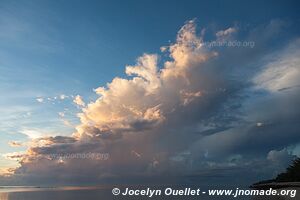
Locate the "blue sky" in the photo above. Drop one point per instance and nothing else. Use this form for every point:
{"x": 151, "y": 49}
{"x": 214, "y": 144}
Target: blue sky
{"x": 54, "y": 50}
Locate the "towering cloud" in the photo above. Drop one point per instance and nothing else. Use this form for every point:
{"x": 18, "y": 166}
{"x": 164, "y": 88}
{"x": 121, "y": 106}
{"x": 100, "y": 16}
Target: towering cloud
{"x": 194, "y": 114}
{"x": 144, "y": 102}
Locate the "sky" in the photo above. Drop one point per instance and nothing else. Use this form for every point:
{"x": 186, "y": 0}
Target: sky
{"x": 175, "y": 91}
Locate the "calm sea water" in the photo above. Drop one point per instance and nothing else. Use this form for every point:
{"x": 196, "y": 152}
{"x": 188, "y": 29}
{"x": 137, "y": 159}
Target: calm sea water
{"x": 57, "y": 193}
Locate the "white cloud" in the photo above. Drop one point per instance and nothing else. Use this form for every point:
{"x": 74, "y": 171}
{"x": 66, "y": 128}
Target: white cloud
{"x": 226, "y": 32}
{"x": 282, "y": 73}
{"x": 63, "y": 96}
{"x": 40, "y": 99}
{"x": 78, "y": 100}
{"x": 61, "y": 114}
{"x": 279, "y": 156}
{"x": 33, "y": 134}
{"x": 67, "y": 123}
{"x": 226, "y": 35}
{"x": 142, "y": 102}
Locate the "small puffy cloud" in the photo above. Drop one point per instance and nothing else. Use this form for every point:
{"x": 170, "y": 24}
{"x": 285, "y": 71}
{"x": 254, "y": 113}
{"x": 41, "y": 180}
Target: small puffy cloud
{"x": 15, "y": 144}
{"x": 226, "y": 35}
{"x": 61, "y": 114}
{"x": 226, "y": 32}
{"x": 67, "y": 122}
{"x": 40, "y": 99}
{"x": 259, "y": 124}
{"x": 282, "y": 156}
{"x": 280, "y": 160}
{"x": 163, "y": 49}
{"x": 63, "y": 96}
{"x": 53, "y": 99}
{"x": 78, "y": 100}
{"x": 31, "y": 133}
{"x": 35, "y": 133}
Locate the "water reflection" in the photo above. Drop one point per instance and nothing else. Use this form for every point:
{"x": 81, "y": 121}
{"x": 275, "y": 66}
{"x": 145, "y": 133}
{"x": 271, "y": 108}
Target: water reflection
{"x": 57, "y": 194}
{"x": 4, "y": 196}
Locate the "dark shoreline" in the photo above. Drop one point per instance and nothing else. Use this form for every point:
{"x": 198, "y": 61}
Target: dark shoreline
{"x": 275, "y": 185}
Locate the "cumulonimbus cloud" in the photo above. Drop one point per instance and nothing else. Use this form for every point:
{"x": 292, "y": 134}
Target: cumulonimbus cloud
{"x": 164, "y": 118}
